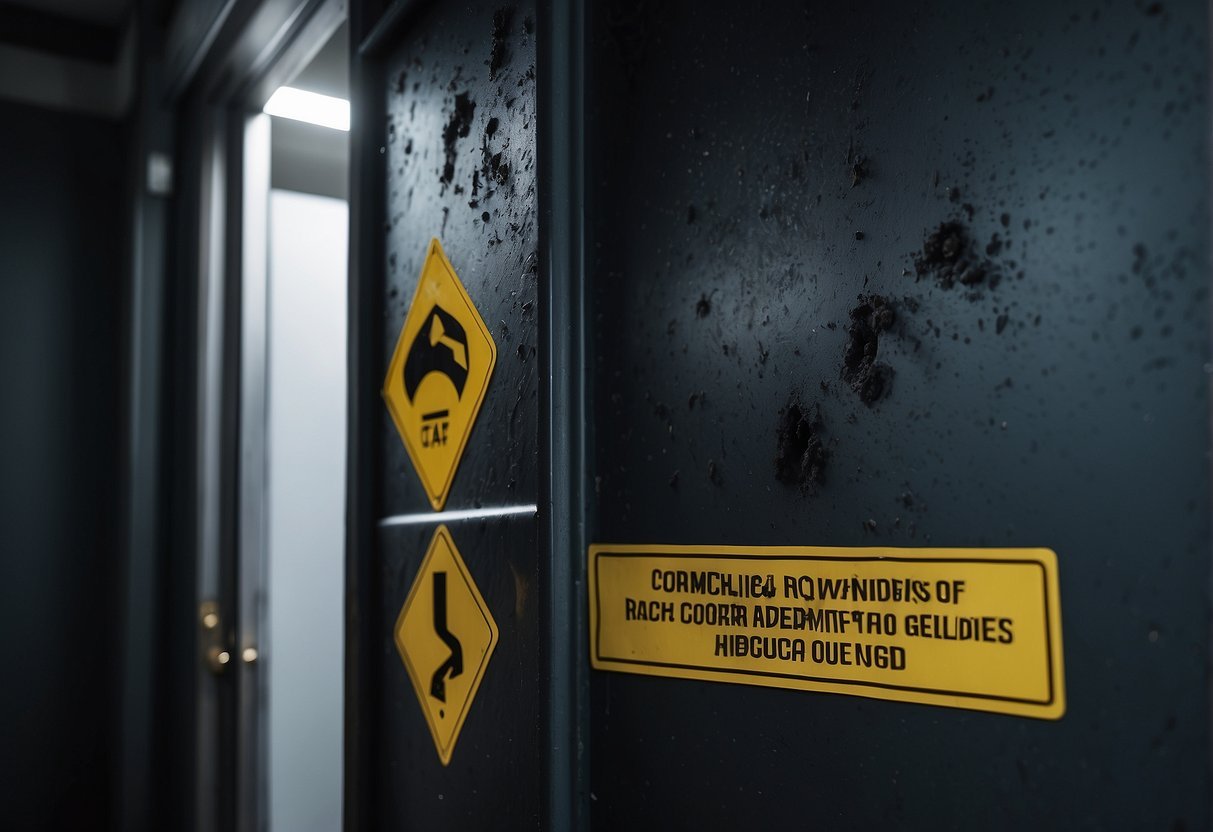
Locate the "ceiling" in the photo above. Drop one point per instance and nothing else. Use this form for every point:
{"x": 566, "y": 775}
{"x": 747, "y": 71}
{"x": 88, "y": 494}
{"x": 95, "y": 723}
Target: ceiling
{"x": 329, "y": 72}
{"x": 110, "y": 13}
{"x": 307, "y": 158}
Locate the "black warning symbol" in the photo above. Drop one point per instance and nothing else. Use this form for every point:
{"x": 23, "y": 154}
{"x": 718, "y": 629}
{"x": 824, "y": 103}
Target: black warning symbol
{"x": 440, "y": 347}
{"x": 454, "y": 662}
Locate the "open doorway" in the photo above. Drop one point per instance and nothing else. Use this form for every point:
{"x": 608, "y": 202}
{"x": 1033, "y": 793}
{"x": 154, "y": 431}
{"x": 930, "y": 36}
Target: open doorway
{"x": 301, "y": 225}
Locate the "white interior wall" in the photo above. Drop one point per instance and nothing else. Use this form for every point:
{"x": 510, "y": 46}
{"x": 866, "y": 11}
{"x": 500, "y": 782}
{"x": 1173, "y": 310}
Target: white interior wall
{"x": 306, "y": 501}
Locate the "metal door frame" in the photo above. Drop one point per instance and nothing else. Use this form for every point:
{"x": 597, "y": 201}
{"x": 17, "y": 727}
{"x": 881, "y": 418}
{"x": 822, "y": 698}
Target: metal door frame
{"x": 360, "y": 697}
{"x": 564, "y": 504}
{"x": 223, "y": 62}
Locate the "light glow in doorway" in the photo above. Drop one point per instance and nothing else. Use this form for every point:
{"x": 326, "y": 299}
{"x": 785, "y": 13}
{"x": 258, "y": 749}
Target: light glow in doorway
{"x": 311, "y": 107}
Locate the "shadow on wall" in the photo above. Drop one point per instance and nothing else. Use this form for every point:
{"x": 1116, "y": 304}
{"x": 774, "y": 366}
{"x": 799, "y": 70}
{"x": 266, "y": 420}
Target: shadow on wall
{"x": 62, "y": 295}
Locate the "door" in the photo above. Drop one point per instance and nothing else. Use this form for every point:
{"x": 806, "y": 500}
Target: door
{"x": 256, "y": 614}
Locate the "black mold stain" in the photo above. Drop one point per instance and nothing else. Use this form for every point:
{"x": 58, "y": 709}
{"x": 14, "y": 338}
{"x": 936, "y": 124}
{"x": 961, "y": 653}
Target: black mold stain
{"x": 458, "y": 126}
{"x": 858, "y": 168}
{"x": 947, "y": 254}
{"x": 703, "y": 306}
{"x": 503, "y": 20}
{"x": 800, "y": 452}
{"x": 492, "y": 169}
{"x": 868, "y": 377}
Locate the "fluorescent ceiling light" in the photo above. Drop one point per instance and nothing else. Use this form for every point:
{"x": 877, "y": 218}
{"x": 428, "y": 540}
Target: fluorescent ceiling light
{"x": 312, "y": 107}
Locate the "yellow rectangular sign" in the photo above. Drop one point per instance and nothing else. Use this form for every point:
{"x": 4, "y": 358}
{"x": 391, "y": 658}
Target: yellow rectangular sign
{"x": 962, "y": 628}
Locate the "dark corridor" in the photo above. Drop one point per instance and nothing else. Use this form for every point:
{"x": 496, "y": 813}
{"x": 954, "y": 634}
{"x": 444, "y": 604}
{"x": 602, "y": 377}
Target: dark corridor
{"x": 784, "y": 414}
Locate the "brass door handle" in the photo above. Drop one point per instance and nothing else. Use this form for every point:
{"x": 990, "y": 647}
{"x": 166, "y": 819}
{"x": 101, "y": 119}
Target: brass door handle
{"x": 214, "y": 650}
{"x": 217, "y": 660}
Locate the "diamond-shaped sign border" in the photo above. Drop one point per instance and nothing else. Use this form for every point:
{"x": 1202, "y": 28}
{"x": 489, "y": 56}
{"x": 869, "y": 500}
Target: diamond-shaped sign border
{"x": 444, "y": 754}
{"x": 438, "y": 498}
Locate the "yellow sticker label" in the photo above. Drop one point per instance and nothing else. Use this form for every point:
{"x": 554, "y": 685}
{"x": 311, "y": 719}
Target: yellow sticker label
{"x": 439, "y": 374}
{"x": 445, "y": 635}
{"x": 962, "y": 628}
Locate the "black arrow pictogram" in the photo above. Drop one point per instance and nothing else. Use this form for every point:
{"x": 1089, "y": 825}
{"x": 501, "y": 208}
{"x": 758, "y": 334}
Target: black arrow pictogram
{"x": 454, "y": 663}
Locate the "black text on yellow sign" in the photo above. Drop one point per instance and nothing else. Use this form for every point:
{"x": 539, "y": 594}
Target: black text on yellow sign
{"x": 439, "y": 374}
{"x": 445, "y": 635}
{"x": 963, "y": 628}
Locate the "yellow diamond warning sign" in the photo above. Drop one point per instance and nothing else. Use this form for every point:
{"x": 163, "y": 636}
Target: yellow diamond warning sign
{"x": 439, "y": 374}
{"x": 445, "y": 635}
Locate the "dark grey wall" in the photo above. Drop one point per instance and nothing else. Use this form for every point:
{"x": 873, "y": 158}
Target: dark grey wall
{"x": 61, "y": 317}
{"x": 752, "y": 173}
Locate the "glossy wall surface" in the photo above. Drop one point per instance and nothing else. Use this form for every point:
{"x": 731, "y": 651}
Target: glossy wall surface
{"x": 761, "y": 184}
